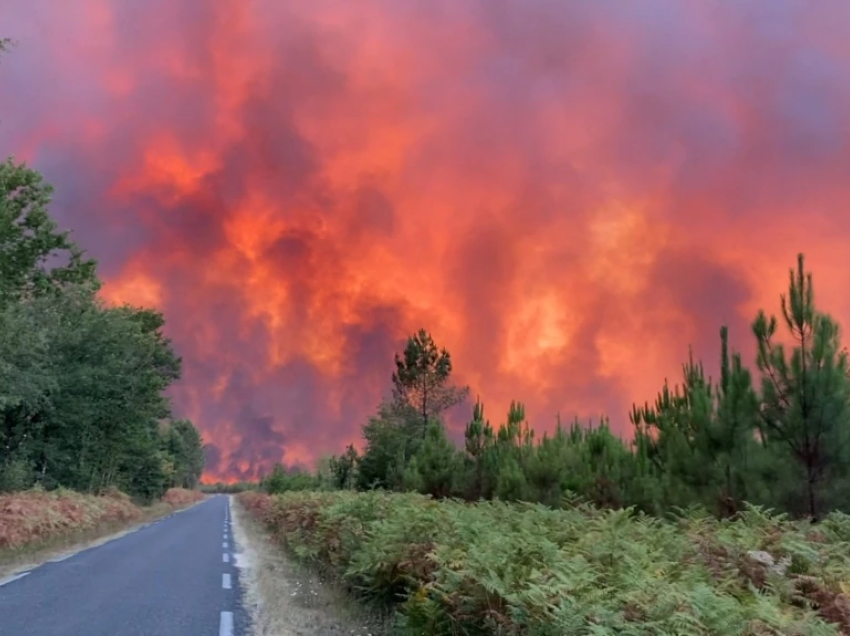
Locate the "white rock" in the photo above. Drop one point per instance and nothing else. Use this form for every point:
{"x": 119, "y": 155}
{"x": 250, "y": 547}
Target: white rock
{"x": 767, "y": 560}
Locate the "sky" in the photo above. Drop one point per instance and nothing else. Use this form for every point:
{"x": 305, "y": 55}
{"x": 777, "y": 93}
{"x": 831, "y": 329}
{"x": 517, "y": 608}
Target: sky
{"x": 567, "y": 195}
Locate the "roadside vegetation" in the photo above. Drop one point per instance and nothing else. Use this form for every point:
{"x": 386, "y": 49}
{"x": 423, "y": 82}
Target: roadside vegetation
{"x": 37, "y": 518}
{"x": 776, "y": 436}
{"x": 228, "y": 488}
{"x": 725, "y": 513}
{"x": 451, "y": 567}
{"x": 287, "y": 595}
{"x": 82, "y": 402}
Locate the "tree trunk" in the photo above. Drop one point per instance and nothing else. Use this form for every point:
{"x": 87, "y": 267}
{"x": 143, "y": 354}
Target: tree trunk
{"x": 810, "y": 489}
{"x": 424, "y": 407}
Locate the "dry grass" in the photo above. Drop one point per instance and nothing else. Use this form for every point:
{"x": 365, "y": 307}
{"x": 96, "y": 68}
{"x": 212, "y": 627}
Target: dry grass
{"x": 33, "y": 516}
{"x": 288, "y": 598}
{"x": 38, "y": 526}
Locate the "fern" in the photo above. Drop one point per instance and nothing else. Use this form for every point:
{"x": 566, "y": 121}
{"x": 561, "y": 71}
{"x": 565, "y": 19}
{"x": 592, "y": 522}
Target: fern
{"x": 497, "y": 568}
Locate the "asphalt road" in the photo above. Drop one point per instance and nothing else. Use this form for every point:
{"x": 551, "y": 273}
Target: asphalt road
{"x": 175, "y": 577}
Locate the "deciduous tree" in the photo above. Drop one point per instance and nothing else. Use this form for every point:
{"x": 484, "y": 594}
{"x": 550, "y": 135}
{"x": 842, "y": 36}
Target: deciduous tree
{"x": 37, "y": 258}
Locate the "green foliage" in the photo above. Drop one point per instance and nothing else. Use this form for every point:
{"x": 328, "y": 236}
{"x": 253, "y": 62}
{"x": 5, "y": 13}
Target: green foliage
{"x": 184, "y": 453}
{"x": 700, "y": 436}
{"x": 281, "y": 480}
{"x": 82, "y": 385}
{"x": 432, "y": 469}
{"x": 421, "y": 380}
{"x": 500, "y": 568}
{"x": 718, "y": 445}
{"x": 85, "y": 397}
{"x": 228, "y": 488}
{"x": 342, "y": 470}
{"x": 392, "y": 437}
{"x": 37, "y": 258}
{"x": 805, "y": 394}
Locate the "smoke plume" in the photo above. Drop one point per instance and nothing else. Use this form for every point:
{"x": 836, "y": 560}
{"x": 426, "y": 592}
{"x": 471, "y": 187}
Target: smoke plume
{"x": 567, "y": 195}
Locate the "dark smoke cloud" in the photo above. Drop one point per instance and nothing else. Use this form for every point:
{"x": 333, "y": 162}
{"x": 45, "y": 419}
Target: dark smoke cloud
{"x": 567, "y": 195}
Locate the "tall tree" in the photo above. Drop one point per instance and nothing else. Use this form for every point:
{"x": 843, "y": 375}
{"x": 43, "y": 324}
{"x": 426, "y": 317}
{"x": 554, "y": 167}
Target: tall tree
{"x": 184, "y": 449}
{"x": 805, "y": 392}
{"x": 37, "y": 257}
{"x": 343, "y": 469}
{"x": 675, "y": 434}
{"x": 82, "y": 385}
{"x": 421, "y": 379}
{"x": 732, "y": 440}
{"x": 478, "y": 440}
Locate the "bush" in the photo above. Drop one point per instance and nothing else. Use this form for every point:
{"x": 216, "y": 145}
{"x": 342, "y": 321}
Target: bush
{"x": 222, "y": 488}
{"x": 181, "y": 496}
{"x": 282, "y": 480}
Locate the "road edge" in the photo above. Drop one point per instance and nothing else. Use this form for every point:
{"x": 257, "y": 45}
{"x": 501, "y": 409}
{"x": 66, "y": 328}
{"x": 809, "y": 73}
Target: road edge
{"x": 56, "y": 555}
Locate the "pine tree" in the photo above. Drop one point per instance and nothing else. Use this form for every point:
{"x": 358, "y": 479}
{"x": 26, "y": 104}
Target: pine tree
{"x": 478, "y": 440}
{"x": 431, "y": 470}
{"x": 421, "y": 380}
{"x": 805, "y": 393}
{"x": 675, "y": 434}
{"x": 343, "y": 469}
{"x": 733, "y": 442}
{"x": 701, "y": 435}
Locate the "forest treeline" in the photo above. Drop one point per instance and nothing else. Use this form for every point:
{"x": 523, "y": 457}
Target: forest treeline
{"x": 82, "y": 401}
{"x": 774, "y": 435}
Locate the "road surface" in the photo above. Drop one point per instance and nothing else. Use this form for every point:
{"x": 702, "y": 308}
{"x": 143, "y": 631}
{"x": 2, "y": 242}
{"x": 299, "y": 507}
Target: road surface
{"x": 175, "y": 577}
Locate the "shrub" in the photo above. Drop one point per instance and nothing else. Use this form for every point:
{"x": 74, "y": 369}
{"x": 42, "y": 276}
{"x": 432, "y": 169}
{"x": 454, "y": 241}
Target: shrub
{"x": 181, "y": 496}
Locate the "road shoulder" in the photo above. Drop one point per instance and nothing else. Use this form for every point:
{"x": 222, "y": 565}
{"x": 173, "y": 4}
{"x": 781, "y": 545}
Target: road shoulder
{"x": 286, "y": 597}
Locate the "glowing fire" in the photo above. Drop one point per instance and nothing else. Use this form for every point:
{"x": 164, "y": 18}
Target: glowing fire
{"x": 565, "y": 197}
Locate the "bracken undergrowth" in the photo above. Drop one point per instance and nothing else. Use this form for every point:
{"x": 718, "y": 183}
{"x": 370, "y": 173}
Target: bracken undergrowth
{"x": 34, "y": 516}
{"x": 520, "y": 569}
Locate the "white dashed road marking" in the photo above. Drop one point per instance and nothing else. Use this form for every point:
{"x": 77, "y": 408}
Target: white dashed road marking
{"x": 225, "y": 627}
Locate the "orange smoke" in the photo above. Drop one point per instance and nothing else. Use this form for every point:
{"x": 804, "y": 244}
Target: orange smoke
{"x": 564, "y": 195}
